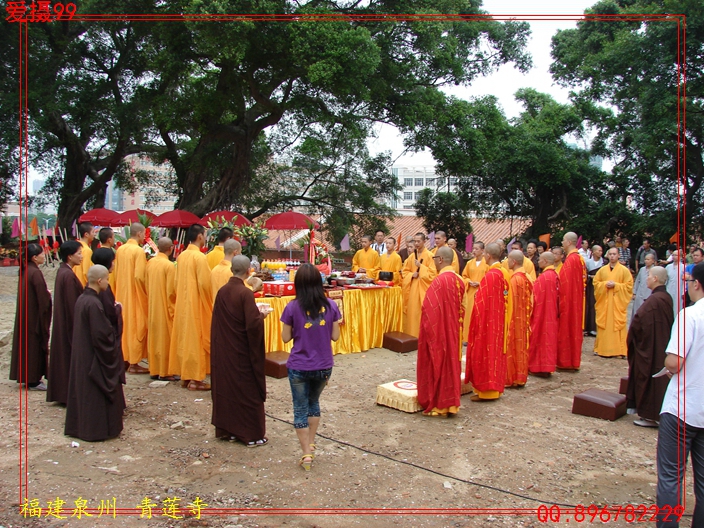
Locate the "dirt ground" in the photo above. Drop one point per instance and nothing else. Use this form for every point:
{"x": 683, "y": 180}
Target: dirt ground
{"x": 525, "y": 450}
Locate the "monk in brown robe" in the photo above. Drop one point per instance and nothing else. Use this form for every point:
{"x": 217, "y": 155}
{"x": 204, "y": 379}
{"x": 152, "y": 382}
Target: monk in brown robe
{"x": 95, "y": 398}
{"x": 237, "y": 360}
{"x": 32, "y": 322}
{"x": 113, "y": 310}
{"x": 647, "y": 340}
{"x": 67, "y": 290}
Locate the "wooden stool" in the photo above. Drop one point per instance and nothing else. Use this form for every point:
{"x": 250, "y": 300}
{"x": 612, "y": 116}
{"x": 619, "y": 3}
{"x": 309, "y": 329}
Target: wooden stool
{"x": 599, "y": 404}
{"x": 623, "y": 387}
{"x": 275, "y": 364}
{"x": 400, "y": 342}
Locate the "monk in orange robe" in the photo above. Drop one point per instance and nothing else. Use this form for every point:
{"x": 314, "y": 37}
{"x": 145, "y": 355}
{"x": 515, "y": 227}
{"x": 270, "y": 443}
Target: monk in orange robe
{"x": 367, "y": 260}
{"x": 222, "y": 273}
{"x": 217, "y": 254}
{"x": 86, "y": 234}
{"x": 391, "y": 261}
{"x": 527, "y": 265}
{"x": 488, "y": 331}
{"x": 440, "y": 339}
{"x": 473, "y": 274}
{"x": 441, "y": 241}
{"x": 573, "y": 281}
{"x": 190, "y": 340}
{"x": 418, "y": 272}
{"x": 130, "y": 291}
{"x": 519, "y": 327}
{"x": 613, "y": 288}
{"x": 160, "y": 283}
{"x": 544, "y": 324}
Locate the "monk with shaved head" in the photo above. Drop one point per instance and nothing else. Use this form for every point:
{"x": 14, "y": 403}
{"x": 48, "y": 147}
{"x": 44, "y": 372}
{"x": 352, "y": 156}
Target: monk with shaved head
{"x": 488, "y": 331}
{"x": 222, "y": 273}
{"x": 648, "y": 335}
{"x": 573, "y": 281}
{"x": 440, "y": 339}
{"x": 441, "y": 241}
{"x": 613, "y": 288}
{"x": 131, "y": 293}
{"x": 519, "y": 328}
{"x": 95, "y": 398}
{"x": 544, "y": 323}
{"x": 160, "y": 283}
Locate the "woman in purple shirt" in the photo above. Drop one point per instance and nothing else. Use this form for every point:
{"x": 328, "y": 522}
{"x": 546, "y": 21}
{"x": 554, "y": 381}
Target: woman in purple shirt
{"x": 312, "y": 321}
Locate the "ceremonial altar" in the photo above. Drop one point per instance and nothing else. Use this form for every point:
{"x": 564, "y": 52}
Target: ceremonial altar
{"x": 367, "y": 315}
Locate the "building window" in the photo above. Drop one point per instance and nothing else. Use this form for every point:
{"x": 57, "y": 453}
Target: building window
{"x": 408, "y": 206}
{"x": 419, "y": 182}
{"x": 408, "y": 196}
{"x": 453, "y": 180}
{"x": 407, "y": 182}
{"x": 417, "y": 196}
{"x": 429, "y": 182}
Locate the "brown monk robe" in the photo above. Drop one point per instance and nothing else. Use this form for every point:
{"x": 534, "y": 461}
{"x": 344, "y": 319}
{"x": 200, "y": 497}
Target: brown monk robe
{"x": 95, "y": 398}
{"x": 237, "y": 360}
{"x": 647, "y": 339}
{"x": 67, "y": 290}
{"x": 32, "y": 322}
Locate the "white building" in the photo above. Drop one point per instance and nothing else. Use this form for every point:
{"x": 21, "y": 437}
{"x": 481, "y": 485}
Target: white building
{"x": 414, "y": 179}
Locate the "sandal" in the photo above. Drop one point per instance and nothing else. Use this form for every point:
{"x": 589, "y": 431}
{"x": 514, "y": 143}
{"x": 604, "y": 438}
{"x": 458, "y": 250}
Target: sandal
{"x": 258, "y": 443}
{"x": 313, "y": 447}
{"x": 306, "y": 465}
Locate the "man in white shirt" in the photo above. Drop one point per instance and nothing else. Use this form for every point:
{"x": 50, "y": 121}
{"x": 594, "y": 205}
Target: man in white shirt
{"x": 379, "y": 244}
{"x": 682, "y": 415}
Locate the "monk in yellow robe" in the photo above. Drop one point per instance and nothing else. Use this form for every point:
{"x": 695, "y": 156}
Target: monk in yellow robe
{"x": 217, "y": 254}
{"x": 160, "y": 283}
{"x": 391, "y": 261}
{"x": 222, "y": 273}
{"x": 366, "y": 260}
{"x": 519, "y": 328}
{"x": 131, "y": 292}
{"x": 418, "y": 272}
{"x": 473, "y": 274}
{"x": 190, "y": 340}
{"x": 86, "y": 235}
{"x": 559, "y": 258}
{"x": 441, "y": 241}
{"x": 106, "y": 236}
{"x": 613, "y": 287}
{"x": 527, "y": 265}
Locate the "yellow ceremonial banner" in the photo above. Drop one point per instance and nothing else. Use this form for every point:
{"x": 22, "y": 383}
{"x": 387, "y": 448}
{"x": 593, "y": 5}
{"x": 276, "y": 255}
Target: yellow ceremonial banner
{"x": 545, "y": 238}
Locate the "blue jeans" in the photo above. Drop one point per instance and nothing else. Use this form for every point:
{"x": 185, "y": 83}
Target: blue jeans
{"x": 306, "y": 387}
{"x": 676, "y": 438}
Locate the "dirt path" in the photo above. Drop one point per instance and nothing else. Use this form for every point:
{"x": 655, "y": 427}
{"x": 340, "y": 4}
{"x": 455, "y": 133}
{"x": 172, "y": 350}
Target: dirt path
{"x": 491, "y": 455}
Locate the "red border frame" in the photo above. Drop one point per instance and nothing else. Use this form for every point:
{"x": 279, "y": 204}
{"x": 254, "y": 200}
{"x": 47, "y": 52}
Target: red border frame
{"x": 23, "y": 59}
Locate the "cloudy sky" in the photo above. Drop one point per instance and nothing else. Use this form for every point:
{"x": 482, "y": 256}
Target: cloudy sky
{"x": 507, "y": 80}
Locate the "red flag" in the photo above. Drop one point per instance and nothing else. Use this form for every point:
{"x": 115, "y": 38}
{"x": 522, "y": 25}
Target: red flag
{"x": 469, "y": 243}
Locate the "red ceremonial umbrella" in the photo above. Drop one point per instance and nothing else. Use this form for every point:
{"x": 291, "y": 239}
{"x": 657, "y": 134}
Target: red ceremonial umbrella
{"x": 228, "y": 216}
{"x": 99, "y": 216}
{"x": 290, "y": 220}
{"x": 130, "y": 217}
{"x": 176, "y": 218}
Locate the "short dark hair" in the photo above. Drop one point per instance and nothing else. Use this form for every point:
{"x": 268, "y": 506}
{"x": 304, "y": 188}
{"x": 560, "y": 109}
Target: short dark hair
{"x": 390, "y": 238}
{"x": 194, "y": 231}
{"x": 380, "y": 231}
{"x": 517, "y": 242}
{"x": 542, "y": 245}
{"x": 103, "y": 256}
{"x": 225, "y": 234}
{"x": 83, "y": 228}
{"x": 68, "y": 248}
{"x": 701, "y": 251}
{"x": 698, "y": 273}
{"x": 105, "y": 234}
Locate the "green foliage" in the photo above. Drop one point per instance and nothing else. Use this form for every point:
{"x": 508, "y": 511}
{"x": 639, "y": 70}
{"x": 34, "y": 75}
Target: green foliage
{"x": 252, "y": 238}
{"x": 627, "y": 85}
{"x": 444, "y": 211}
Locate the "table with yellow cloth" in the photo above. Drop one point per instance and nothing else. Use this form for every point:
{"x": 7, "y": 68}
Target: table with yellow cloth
{"x": 368, "y": 315}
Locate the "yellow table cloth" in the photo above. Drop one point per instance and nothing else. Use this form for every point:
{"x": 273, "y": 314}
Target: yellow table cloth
{"x": 368, "y": 315}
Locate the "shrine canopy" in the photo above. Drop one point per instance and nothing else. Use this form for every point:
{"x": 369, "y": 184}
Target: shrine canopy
{"x": 130, "y": 217}
{"x": 232, "y": 217}
{"x": 177, "y": 218}
{"x": 99, "y": 216}
{"x": 290, "y": 220}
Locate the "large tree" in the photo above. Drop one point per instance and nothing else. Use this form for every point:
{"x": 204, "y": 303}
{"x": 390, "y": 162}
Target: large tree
{"x": 221, "y": 87}
{"x": 628, "y": 78}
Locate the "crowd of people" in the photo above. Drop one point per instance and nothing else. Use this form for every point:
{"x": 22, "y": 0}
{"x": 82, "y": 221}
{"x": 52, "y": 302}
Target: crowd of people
{"x": 518, "y": 312}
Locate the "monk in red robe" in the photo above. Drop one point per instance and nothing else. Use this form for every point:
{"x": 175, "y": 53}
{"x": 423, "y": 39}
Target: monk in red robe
{"x": 544, "y": 324}
{"x": 440, "y": 339}
{"x": 573, "y": 281}
{"x": 486, "y": 348}
{"x": 519, "y": 328}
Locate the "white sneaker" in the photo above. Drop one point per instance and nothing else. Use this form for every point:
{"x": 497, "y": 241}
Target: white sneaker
{"x": 40, "y": 387}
